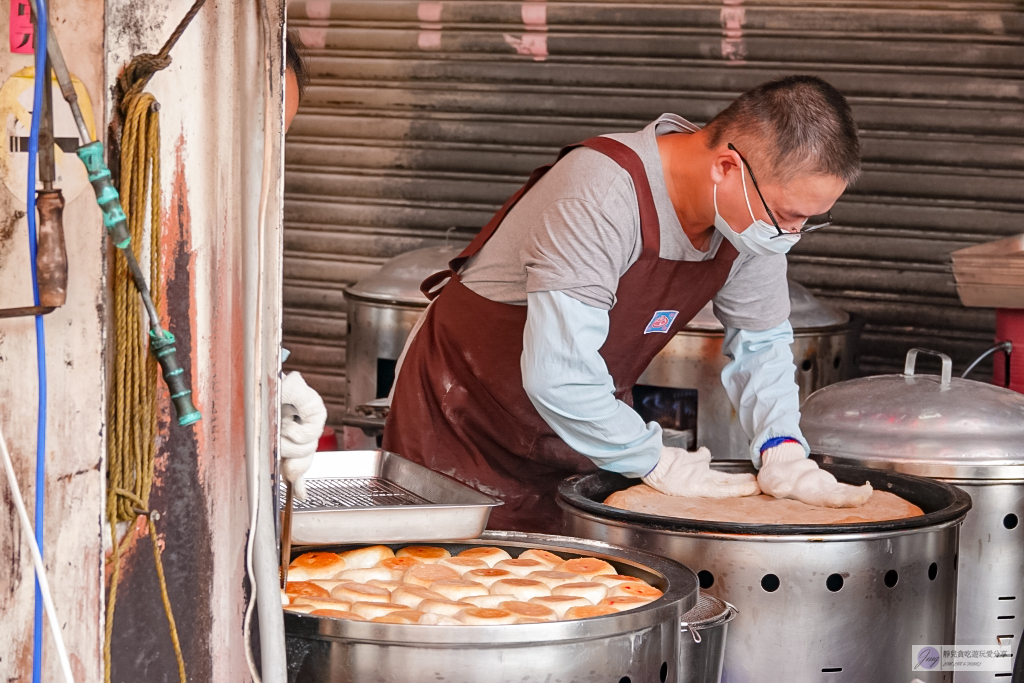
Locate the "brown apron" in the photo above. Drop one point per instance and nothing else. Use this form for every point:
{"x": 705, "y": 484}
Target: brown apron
{"x": 459, "y": 405}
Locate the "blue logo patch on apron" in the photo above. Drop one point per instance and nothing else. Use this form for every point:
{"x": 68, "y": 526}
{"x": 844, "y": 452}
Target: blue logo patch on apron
{"x": 661, "y": 322}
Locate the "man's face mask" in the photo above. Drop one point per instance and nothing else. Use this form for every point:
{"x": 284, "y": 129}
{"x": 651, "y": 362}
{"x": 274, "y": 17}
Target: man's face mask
{"x": 759, "y": 238}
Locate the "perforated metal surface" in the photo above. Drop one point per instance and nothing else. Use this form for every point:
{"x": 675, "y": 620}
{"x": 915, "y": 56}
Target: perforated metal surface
{"x": 353, "y": 492}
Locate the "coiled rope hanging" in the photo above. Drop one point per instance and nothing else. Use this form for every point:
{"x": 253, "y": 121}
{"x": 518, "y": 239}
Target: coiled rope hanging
{"x": 132, "y": 407}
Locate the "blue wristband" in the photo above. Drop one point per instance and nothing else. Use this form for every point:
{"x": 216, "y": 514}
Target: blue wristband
{"x": 777, "y": 441}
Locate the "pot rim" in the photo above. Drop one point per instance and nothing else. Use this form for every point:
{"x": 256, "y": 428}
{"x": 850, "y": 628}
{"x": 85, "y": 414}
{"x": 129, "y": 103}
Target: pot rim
{"x": 678, "y": 581}
{"x": 943, "y": 505}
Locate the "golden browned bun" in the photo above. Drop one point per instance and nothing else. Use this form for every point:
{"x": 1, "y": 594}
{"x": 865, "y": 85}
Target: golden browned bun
{"x": 552, "y": 578}
{"x": 411, "y": 596}
{"x": 336, "y": 614}
{"x": 364, "y": 575}
{"x": 550, "y": 560}
{"x": 426, "y": 574}
{"x": 398, "y": 566}
{"x": 448, "y": 608}
{"x": 360, "y": 592}
{"x": 523, "y": 589}
{"x": 370, "y": 610}
{"x": 327, "y": 584}
{"x": 593, "y": 591}
{"x": 636, "y": 590}
{"x": 322, "y": 603}
{"x": 457, "y": 589}
{"x": 483, "y": 615}
{"x": 306, "y": 588}
{"x": 489, "y": 555}
{"x": 561, "y": 603}
{"x": 588, "y": 612}
{"x": 405, "y": 617}
{"x": 317, "y": 565}
{"x": 301, "y": 609}
{"x": 364, "y": 558}
{"x": 612, "y": 580}
{"x": 463, "y": 564}
{"x": 386, "y": 585}
{"x": 489, "y": 601}
{"x": 624, "y": 602}
{"x": 424, "y": 553}
{"x": 530, "y": 610}
{"x": 521, "y": 567}
{"x": 487, "y": 576}
{"x": 438, "y": 620}
{"x": 586, "y": 567}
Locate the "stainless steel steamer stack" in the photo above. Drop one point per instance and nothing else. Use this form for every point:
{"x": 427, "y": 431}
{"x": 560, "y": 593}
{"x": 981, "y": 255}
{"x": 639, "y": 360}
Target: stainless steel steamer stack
{"x": 956, "y": 431}
{"x": 636, "y": 646}
{"x": 834, "y": 603}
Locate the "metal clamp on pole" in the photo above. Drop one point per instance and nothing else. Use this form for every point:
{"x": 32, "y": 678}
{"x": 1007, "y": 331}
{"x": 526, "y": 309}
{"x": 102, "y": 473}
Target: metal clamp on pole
{"x": 163, "y": 348}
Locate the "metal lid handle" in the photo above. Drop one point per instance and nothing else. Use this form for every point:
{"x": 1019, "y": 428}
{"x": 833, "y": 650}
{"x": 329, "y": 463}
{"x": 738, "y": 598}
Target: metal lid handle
{"x": 947, "y": 364}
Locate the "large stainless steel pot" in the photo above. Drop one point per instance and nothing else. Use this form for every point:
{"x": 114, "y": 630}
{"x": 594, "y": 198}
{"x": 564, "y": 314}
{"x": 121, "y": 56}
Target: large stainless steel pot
{"x": 382, "y": 310}
{"x": 960, "y": 432}
{"x": 641, "y": 645}
{"x": 824, "y": 344}
{"x": 835, "y": 603}
{"x": 682, "y": 387}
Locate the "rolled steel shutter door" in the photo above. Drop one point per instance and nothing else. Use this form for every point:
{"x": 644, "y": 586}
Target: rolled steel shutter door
{"x": 422, "y": 117}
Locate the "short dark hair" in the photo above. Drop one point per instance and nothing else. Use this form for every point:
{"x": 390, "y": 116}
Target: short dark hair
{"x": 294, "y": 61}
{"x": 792, "y": 126}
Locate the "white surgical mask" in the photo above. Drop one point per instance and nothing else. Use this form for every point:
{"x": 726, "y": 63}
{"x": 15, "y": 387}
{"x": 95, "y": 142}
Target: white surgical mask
{"x": 760, "y": 238}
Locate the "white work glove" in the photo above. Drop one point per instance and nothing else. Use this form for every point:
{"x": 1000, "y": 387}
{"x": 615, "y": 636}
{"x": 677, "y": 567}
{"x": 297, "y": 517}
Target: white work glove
{"x": 303, "y": 415}
{"x": 688, "y": 473}
{"x": 787, "y": 472}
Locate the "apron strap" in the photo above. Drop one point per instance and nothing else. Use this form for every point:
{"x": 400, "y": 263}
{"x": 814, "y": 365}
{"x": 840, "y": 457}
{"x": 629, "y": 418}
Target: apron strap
{"x": 623, "y": 155}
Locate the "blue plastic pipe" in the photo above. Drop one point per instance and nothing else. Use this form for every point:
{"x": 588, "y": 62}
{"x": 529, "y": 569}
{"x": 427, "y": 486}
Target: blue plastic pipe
{"x": 42, "y": 22}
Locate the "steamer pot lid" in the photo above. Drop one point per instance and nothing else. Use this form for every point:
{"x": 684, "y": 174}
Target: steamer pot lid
{"x": 806, "y": 312}
{"x": 916, "y": 419}
{"x": 398, "y": 280}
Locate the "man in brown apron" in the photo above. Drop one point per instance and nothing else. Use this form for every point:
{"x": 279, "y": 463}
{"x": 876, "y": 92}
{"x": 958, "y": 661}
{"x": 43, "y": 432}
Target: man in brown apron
{"x": 521, "y": 371}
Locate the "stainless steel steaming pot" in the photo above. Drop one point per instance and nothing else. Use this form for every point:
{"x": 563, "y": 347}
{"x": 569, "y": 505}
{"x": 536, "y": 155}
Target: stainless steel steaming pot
{"x": 954, "y": 430}
{"x": 636, "y": 646}
{"x": 685, "y": 377}
{"x": 836, "y": 603}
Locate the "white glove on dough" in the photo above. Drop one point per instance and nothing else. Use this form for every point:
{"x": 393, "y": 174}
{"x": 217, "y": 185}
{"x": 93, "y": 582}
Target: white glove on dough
{"x": 303, "y": 416}
{"x": 787, "y": 472}
{"x": 688, "y": 473}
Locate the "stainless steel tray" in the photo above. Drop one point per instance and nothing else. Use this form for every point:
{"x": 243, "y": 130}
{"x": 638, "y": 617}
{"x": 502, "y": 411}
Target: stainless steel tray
{"x": 380, "y": 497}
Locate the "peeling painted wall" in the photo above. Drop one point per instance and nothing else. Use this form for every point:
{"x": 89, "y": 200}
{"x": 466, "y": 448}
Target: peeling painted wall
{"x": 215, "y": 277}
{"x": 75, "y": 431}
{"x": 212, "y": 100}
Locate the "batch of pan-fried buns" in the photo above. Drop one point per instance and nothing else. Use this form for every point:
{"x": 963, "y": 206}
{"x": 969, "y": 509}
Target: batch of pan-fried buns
{"x": 482, "y": 585}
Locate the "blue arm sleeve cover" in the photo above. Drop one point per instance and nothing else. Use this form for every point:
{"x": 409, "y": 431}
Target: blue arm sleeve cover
{"x": 568, "y": 383}
{"x": 760, "y": 381}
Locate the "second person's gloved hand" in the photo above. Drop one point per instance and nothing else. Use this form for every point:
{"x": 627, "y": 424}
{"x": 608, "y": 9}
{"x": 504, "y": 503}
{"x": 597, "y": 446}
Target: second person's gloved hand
{"x": 688, "y": 473}
{"x": 786, "y": 472}
{"x": 303, "y": 416}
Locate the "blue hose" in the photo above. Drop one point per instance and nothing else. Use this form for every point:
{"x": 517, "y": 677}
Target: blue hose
{"x": 42, "y": 22}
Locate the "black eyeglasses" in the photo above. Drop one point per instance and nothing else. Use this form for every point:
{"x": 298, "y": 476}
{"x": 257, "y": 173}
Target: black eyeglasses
{"x": 815, "y": 222}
